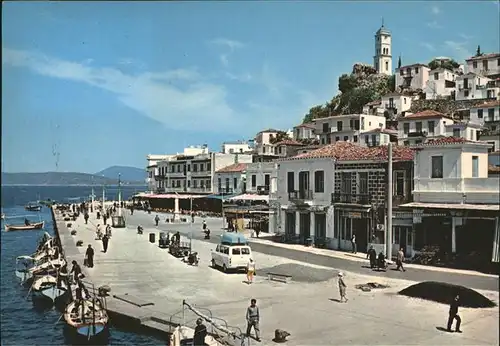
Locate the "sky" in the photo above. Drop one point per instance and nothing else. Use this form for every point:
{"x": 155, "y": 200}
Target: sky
{"x": 88, "y": 85}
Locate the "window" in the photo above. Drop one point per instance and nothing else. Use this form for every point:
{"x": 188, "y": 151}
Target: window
{"x": 236, "y": 251}
{"x": 406, "y": 128}
{"x": 406, "y": 143}
{"x": 367, "y": 139}
{"x": 208, "y": 184}
{"x": 387, "y": 66}
{"x": 195, "y": 183}
{"x": 254, "y": 180}
{"x": 436, "y": 167}
{"x": 201, "y": 167}
{"x": 290, "y": 181}
{"x": 474, "y": 64}
{"x": 418, "y": 141}
{"x": 202, "y": 183}
{"x": 219, "y": 182}
{"x": 209, "y": 167}
{"x": 485, "y": 65}
{"x": 399, "y": 183}
{"x": 498, "y": 62}
{"x": 491, "y": 114}
{"x": 374, "y": 139}
{"x": 325, "y": 128}
{"x": 466, "y": 93}
{"x": 319, "y": 181}
{"x": 178, "y": 183}
{"x": 418, "y": 126}
{"x": 339, "y": 125}
{"x": 492, "y": 149}
{"x": 475, "y": 166}
{"x": 430, "y": 127}
{"x": 227, "y": 185}
{"x": 178, "y": 168}
{"x": 189, "y": 168}
{"x": 267, "y": 181}
{"x": 355, "y": 138}
{"x": 195, "y": 167}
{"x": 456, "y": 133}
{"x": 346, "y": 138}
{"x": 480, "y": 113}
{"x": 337, "y": 138}
{"x": 189, "y": 183}
{"x": 363, "y": 183}
{"x": 436, "y": 76}
{"x": 235, "y": 183}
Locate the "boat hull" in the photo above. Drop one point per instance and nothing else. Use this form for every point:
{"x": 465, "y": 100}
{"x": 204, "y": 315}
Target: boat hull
{"x": 34, "y": 226}
{"x": 33, "y": 208}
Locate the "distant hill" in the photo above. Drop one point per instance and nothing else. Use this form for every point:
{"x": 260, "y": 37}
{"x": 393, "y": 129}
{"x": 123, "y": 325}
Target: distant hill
{"x": 61, "y": 178}
{"x": 127, "y": 173}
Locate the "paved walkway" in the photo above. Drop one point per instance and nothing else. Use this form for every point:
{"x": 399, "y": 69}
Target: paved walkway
{"x": 323, "y": 257}
{"x": 307, "y": 310}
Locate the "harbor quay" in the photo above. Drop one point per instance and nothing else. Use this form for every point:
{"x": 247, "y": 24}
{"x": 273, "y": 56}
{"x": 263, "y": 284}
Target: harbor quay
{"x": 155, "y": 284}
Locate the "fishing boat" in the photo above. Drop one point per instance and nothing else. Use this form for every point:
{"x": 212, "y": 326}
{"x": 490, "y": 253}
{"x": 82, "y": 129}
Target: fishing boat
{"x": 27, "y": 267}
{"x": 30, "y": 227}
{"x": 33, "y": 207}
{"x": 46, "y": 287}
{"x": 88, "y": 318}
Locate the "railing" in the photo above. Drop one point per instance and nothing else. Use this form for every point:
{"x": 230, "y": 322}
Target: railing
{"x": 350, "y": 198}
{"x": 398, "y": 200}
{"x": 491, "y": 120}
{"x": 301, "y": 195}
{"x": 201, "y": 173}
{"x": 159, "y": 177}
{"x": 225, "y": 191}
{"x": 490, "y": 184}
{"x": 416, "y": 134}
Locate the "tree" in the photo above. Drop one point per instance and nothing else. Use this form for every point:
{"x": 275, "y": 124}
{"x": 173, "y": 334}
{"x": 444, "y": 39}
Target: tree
{"x": 280, "y": 136}
{"x": 347, "y": 82}
{"x": 315, "y": 112}
{"x": 447, "y": 64}
{"x": 478, "y": 51}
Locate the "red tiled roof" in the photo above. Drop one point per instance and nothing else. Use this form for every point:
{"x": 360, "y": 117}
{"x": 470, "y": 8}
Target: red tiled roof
{"x": 288, "y": 142}
{"x": 447, "y": 140}
{"x": 345, "y": 151}
{"x": 424, "y": 115}
{"x": 380, "y": 130}
{"x": 495, "y": 103}
{"x": 234, "y": 168}
{"x": 484, "y": 56}
{"x": 309, "y": 126}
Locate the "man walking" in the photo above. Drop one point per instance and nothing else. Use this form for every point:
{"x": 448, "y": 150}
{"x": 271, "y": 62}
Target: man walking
{"x": 157, "y": 219}
{"x": 90, "y": 256}
{"x": 372, "y": 255}
{"x": 86, "y": 217}
{"x": 453, "y": 315}
{"x": 105, "y": 241}
{"x": 399, "y": 260}
{"x": 253, "y": 317}
{"x": 342, "y": 288}
{"x": 353, "y": 243}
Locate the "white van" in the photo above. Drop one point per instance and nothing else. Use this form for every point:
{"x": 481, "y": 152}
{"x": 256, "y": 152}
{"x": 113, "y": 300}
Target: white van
{"x": 230, "y": 257}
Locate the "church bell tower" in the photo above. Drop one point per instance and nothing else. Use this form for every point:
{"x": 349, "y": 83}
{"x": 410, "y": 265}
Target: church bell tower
{"x": 382, "y": 60}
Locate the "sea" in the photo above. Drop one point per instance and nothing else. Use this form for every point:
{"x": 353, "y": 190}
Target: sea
{"x": 21, "y": 322}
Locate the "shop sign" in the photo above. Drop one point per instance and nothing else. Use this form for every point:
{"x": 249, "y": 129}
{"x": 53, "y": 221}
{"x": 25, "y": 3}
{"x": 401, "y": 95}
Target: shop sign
{"x": 354, "y": 215}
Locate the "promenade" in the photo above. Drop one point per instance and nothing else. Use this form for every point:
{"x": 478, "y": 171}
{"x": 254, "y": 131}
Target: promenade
{"x": 306, "y": 307}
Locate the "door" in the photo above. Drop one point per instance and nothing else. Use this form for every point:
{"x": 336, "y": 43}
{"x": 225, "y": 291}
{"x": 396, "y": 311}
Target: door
{"x": 320, "y": 226}
{"x": 303, "y": 184}
{"x": 290, "y": 224}
{"x": 360, "y": 228}
{"x": 403, "y": 237}
{"x": 305, "y": 226}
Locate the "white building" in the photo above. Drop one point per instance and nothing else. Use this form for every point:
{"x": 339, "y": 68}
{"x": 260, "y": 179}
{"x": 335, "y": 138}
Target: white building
{"x": 485, "y": 65}
{"x": 382, "y": 60}
{"x": 304, "y": 131}
{"x": 260, "y": 176}
{"x": 468, "y": 130}
{"x": 413, "y": 77}
{"x": 378, "y": 137}
{"x": 471, "y": 86}
{"x": 154, "y": 179}
{"x": 486, "y": 113}
{"x": 235, "y": 147}
{"x": 374, "y": 108}
{"x": 231, "y": 179}
{"x": 263, "y": 145}
{"x": 396, "y": 103}
{"x": 416, "y": 128}
{"x": 456, "y": 205}
{"x": 196, "y": 173}
{"x": 441, "y": 84}
{"x": 346, "y": 127}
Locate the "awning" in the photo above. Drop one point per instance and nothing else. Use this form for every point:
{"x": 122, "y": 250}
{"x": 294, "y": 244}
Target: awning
{"x": 171, "y": 195}
{"x": 221, "y": 197}
{"x": 250, "y": 197}
{"x": 142, "y": 194}
{"x": 478, "y": 207}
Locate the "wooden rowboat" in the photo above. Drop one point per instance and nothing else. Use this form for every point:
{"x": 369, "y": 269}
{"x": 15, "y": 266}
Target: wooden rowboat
{"x": 33, "y": 207}
{"x": 33, "y": 226}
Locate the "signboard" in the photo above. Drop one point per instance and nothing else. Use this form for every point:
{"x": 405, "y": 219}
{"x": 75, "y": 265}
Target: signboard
{"x": 417, "y": 216}
{"x": 354, "y": 215}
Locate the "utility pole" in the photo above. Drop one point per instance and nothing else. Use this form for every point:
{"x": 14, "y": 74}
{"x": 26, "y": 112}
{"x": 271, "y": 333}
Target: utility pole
{"x": 119, "y": 194}
{"x": 103, "y": 197}
{"x": 92, "y": 193}
{"x": 389, "y": 205}
{"x": 191, "y": 225}
{"x": 222, "y": 206}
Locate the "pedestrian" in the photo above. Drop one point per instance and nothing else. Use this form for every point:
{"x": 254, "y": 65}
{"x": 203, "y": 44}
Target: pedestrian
{"x": 89, "y": 254}
{"x": 372, "y": 254}
{"x": 104, "y": 218}
{"x": 108, "y": 231}
{"x": 204, "y": 225}
{"x": 105, "y": 241}
{"x": 76, "y": 270}
{"x": 62, "y": 274}
{"x": 98, "y": 232}
{"x": 342, "y": 288}
{"x": 86, "y": 217}
{"x": 250, "y": 271}
{"x": 157, "y": 219}
{"x": 453, "y": 314}
{"x": 399, "y": 260}
{"x": 353, "y": 243}
{"x": 192, "y": 217}
{"x": 253, "y": 317}
{"x": 200, "y": 333}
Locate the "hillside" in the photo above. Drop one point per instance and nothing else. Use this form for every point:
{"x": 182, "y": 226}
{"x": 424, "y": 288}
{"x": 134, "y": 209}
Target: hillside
{"x": 127, "y": 173}
{"x": 60, "y": 178}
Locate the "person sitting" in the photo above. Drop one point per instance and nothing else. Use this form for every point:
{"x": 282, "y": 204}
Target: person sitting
{"x": 26, "y": 222}
{"x": 381, "y": 261}
{"x": 207, "y": 234}
{"x": 200, "y": 333}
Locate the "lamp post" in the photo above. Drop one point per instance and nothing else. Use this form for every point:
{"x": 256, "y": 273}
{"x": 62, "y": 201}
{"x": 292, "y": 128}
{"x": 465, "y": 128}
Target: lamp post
{"x": 222, "y": 207}
{"x": 103, "y": 195}
{"x": 119, "y": 195}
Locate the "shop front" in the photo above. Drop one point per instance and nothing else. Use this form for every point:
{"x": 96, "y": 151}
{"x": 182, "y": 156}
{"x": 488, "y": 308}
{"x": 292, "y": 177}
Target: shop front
{"x": 351, "y": 221}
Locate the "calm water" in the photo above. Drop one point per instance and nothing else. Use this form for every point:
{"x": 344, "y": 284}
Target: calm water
{"x": 21, "y": 322}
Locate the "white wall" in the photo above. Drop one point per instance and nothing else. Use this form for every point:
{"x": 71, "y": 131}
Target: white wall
{"x": 419, "y": 73}
{"x": 259, "y": 170}
{"x": 232, "y": 148}
{"x": 438, "y": 130}
{"x": 401, "y": 102}
{"x": 477, "y": 88}
{"x": 436, "y": 88}
{"x": 240, "y": 179}
{"x": 476, "y": 66}
{"x": 479, "y": 118}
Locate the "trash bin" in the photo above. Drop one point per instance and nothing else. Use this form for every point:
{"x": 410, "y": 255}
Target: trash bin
{"x": 309, "y": 242}
{"x": 152, "y": 237}
{"x": 161, "y": 241}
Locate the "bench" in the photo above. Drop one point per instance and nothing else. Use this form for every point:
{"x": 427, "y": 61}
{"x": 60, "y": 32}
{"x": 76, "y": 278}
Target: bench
{"x": 279, "y": 277}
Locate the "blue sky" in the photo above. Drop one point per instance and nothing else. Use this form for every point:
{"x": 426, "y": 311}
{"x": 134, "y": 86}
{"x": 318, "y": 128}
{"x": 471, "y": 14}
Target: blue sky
{"x": 105, "y": 84}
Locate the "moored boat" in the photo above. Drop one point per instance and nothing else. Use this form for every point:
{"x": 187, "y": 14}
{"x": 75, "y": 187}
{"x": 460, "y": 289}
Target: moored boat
{"x": 88, "y": 318}
{"x": 46, "y": 287}
{"x": 33, "y": 207}
{"x": 30, "y": 227}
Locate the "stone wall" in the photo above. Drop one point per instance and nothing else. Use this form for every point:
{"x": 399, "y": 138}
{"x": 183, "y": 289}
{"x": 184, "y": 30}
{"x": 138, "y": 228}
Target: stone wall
{"x": 450, "y": 107}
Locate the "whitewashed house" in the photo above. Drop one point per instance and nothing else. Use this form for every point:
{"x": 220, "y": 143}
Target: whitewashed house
{"x": 456, "y": 205}
{"x": 412, "y": 77}
{"x": 155, "y": 175}
{"x": 466, "y": 130}
{"x": 231, "y": 179}
{"x": 396, "y": 103}
{"x": 471, "y": 86}
{"x": 374, "y": 108}
{"x": 486, "y": 113}
{"x": 441, "y": 84}
{"x": 378, "y": 137}
{"x": 346, "y": 128}
{"x": 416, "y": 128}
{"x": 236, "y": 147}
{"x": 485, "y": 65}
{"x": 263, "y": 145}
{"x": 259, "y": 176}
{"x": 304, "y": 131}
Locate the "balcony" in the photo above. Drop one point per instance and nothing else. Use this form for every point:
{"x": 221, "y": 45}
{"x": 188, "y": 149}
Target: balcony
{"x": 201, "y": 173}
{"x": 349, "y": 198}
{"x": 457, "y": 190}
{"x": 159, "y": 177}
{"x": 263, "y": 190}
{"x": 463, "y": 87}
{"x": 225, "y": 191}
{"x": 491, "y": 119}
{"x": 300, "y": 196}
{"x": 417, "y": 134}
{"x": 398, "y": 200}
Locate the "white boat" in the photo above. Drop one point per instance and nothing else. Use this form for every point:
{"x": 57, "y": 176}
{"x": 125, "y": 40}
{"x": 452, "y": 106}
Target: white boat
{"x": 41, "y": 268}
{"x": 23, "y": 265}
{"x": 46, "y": 287}
{"x": 89, "y": 319}
{"x": 183, "y": 335}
